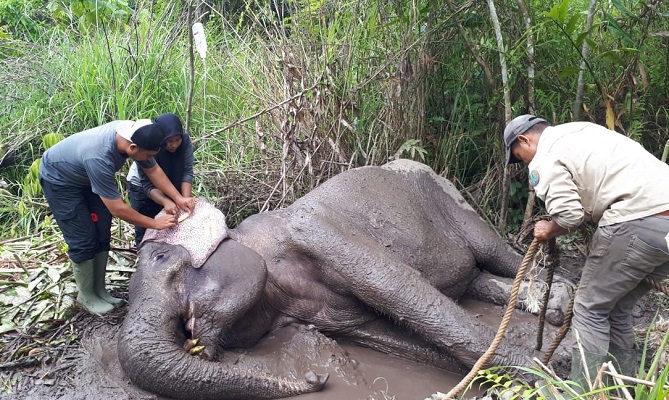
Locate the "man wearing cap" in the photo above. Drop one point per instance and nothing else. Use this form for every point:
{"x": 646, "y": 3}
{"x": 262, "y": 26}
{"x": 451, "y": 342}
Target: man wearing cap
{"x": 586, "y": 172}
{"x": 77, "y": 176}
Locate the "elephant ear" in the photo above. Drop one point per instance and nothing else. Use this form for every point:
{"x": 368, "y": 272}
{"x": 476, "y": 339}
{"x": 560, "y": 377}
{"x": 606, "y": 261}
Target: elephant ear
{"x": 200, "y": 233}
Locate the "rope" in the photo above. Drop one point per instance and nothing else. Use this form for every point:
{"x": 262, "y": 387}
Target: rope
{"x": 653, "y": 283}
{"x": 552, "y": 265}
{"x": 566, "y": 323}
{"x": 657, "y": 285}
{"x": 511, "y": 306}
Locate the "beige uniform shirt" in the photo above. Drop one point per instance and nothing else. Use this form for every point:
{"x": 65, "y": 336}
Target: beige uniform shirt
{"x": 586, "y": 172}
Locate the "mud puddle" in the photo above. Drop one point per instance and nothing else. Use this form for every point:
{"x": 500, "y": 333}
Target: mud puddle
{"x": 93, "y": 372}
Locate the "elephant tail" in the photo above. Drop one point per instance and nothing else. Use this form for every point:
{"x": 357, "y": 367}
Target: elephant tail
{"x": 160, "y": 365}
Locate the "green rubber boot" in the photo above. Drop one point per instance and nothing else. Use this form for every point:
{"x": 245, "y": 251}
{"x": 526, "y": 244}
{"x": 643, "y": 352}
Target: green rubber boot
{"x": 83, "y": 275}
{"x": 100, "y": 268}
{"x": 626, "y": 362}
{"x": 592, "y": 363}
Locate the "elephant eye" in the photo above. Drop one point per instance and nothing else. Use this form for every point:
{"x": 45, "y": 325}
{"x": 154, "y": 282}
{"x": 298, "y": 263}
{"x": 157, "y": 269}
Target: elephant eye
{"x": 158, "y": 257}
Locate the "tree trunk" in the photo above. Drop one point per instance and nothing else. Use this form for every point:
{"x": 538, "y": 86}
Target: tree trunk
{"x": 585, "y": 52}
{"x": 191, "y": 64}
{"x": 531, "y": 194}
{"x": 477, "y": 55}
{"x": 501, "y": 224}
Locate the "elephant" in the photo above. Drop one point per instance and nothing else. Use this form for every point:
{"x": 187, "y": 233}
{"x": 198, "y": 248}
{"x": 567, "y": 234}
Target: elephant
{"x": 377, "y": 255}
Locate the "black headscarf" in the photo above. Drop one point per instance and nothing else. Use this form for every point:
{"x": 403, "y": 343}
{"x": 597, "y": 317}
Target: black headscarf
{"x": 172, "y": 163}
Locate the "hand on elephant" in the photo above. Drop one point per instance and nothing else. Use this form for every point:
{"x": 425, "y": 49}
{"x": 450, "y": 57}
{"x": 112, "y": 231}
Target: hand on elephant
{"x": 164, "y": 221}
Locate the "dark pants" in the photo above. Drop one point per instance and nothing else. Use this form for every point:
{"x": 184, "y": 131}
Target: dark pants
{"x": 612, "y": 282}
{"x": 143, "y": 205}
{"x": 82, "y": 217}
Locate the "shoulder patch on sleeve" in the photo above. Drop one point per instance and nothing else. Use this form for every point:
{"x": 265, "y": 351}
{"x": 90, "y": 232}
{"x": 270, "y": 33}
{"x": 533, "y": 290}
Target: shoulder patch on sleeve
{"x": 534, "y": 177}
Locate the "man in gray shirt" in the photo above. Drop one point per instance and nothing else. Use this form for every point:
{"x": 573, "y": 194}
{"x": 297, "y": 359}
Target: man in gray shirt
{"x": 77, "y": 176}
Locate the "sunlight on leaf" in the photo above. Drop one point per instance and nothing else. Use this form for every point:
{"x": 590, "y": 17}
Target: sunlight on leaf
{"x": 53, "y": 273}
{"x": 559, "y": 12}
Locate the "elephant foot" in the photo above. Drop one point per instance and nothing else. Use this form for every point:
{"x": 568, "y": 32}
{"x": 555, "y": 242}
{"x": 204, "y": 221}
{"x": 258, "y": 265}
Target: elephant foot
{"x": 497, "y": 290}
{"x": 316, "y": 380}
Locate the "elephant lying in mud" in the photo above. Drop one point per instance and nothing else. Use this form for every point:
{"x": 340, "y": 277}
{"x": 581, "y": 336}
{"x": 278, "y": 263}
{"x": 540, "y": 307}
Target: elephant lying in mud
{"x": 375, "y": 256}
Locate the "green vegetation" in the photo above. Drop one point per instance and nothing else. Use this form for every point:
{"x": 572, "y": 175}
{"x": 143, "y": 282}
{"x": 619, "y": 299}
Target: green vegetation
{"x": 293, "y": 92}
{"x": 286, "y": 98}
{"x": 650, "y": 382}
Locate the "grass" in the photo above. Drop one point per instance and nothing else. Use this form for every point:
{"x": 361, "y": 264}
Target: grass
{"x": 36, "y": 278}
{"x": 650, "y": 383}
{"x": 279, "y": 106}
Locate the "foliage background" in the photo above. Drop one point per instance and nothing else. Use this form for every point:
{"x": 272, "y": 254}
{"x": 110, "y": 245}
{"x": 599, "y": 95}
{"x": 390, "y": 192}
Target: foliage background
{"x": 292, "y": 92}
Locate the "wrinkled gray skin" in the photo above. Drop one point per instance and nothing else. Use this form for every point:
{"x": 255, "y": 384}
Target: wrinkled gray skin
{"x": 375, "y": 255}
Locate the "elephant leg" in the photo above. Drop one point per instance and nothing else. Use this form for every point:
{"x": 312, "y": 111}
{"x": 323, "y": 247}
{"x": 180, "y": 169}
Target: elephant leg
{"x": 385, "y": 337}
{"x": 379, "y": 278}
{"x": 497, "y": 290}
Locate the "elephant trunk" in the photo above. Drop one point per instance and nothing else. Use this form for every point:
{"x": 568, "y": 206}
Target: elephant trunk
{"x": 160, "y": 365}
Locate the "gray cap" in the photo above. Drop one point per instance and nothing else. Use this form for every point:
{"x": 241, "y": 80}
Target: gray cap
{"x": 515, "y": 128}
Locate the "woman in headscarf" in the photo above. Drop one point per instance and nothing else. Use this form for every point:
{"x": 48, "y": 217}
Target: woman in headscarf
{"x": 176, "y": 160}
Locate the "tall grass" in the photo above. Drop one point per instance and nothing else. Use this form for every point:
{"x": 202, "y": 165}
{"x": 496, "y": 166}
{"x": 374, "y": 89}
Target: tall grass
{"x": 282, "y": 103}
{"x": 650, "y": 383}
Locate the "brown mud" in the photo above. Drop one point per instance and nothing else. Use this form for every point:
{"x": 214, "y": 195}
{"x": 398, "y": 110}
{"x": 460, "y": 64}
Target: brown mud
{"x": 90, "y": 368}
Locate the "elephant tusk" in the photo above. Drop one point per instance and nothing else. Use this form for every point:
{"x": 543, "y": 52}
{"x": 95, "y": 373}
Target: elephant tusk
{"x": 196, "y": 350}
{"x": 190, "y": 343}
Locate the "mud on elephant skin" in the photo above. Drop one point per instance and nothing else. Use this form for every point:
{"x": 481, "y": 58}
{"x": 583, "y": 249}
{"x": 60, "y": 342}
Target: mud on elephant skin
{"x": 376, "y": 255}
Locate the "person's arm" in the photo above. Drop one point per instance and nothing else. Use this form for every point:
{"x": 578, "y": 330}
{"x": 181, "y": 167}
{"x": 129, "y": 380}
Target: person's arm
{"x": 186, "y": 189}
{"x": 189, "y": 160}
{"x": 120, "y": 209}
{"x": 557, "y": 188}
{"x": 159, "y": 198}
{"x": 162, "y": 183}
{"x": 103, "y": 183}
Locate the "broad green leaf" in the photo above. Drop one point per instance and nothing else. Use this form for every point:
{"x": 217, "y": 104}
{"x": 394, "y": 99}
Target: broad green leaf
{"x": 34, "y": 169}
{"x": 558, "y": 12}
{"x": 571, "y": 25}
{"x": 614, "y": 57}
{"x": 592, "y": 43}
{"x": 568, "y": 71}
{"x": 77, "y": 9}
{"x": 51, "y": 139}
{"x": 615, "y": 28}
{"x": 621, "y": 7}
{"x": 580, "y": 38}
{"x": 583, "y": 35}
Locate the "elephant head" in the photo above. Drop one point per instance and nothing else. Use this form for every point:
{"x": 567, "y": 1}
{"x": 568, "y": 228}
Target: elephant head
{"x": 171, "y": 302}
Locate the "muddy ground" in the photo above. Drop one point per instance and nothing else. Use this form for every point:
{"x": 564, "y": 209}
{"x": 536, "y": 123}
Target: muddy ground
{"x": 88, "y": 367}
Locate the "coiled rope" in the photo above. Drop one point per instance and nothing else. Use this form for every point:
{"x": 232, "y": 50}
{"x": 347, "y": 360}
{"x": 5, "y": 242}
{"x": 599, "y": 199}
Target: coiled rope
{"x": 566, "y": 323}
{"x": 511, "y": 306}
